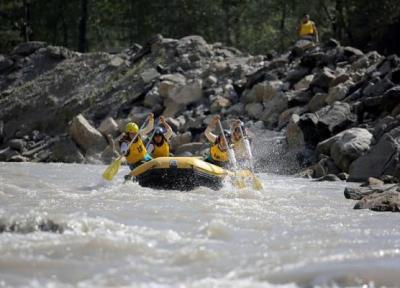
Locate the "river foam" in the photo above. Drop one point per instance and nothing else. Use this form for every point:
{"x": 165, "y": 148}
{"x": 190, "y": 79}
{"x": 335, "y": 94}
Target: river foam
{"x": 63, "y": 226}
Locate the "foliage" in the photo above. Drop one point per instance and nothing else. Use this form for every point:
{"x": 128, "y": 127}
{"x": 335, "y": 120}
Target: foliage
{"x": 256, "y": 26}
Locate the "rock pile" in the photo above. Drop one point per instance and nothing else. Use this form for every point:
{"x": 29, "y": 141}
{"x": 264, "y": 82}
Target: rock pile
{"x": 337, "y": 107}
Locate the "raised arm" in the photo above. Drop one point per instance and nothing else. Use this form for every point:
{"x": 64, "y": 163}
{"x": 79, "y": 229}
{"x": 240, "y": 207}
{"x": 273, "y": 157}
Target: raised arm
{"x": 169, "y": 131}
{"x": 211, "y": 136}
{"x": 149, "y": 127}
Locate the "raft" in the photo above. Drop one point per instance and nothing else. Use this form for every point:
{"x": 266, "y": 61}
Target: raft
{"x": 179, "y": 173}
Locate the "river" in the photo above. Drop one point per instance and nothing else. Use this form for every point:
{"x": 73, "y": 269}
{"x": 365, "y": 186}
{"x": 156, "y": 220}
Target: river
{"x": 63, "y": 226}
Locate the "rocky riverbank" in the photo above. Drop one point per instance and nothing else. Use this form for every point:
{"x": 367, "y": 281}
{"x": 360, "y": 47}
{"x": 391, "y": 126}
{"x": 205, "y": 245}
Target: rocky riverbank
{"x": 334, "y": 107}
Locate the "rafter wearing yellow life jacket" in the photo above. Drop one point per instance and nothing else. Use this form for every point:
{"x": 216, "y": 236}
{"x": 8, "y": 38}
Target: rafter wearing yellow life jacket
{"x": 159, "y": 146}
{"x": 136, "y": 153}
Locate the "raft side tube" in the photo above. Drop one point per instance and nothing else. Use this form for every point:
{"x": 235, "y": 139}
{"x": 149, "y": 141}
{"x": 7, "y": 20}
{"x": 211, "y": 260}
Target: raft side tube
{"x": 179, "y": 173}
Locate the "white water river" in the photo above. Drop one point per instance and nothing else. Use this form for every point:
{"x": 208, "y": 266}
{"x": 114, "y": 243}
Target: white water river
{"x": 296, "y": 233}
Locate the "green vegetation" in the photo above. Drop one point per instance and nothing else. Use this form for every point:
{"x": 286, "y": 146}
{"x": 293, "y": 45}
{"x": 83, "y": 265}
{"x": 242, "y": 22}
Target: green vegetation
{"x": 256, "y": 26}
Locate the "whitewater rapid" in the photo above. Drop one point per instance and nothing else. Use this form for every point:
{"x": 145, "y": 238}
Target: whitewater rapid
{"x": 63, "y": 226}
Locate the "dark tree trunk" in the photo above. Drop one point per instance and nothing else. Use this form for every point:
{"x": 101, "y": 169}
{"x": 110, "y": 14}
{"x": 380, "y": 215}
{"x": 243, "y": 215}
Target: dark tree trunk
{"x": 282, "y": 25}
{"x": 26, "y": 25}
{"x": 83, "y": 42}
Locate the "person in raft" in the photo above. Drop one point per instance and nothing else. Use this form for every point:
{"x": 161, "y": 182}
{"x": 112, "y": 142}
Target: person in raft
{"x": 135, "y": 154}
{"x": 159, "y": 145}
{"x": 218, "y": 154}
{"x": 239, "y": 146}
{"x": 307, "y": 29}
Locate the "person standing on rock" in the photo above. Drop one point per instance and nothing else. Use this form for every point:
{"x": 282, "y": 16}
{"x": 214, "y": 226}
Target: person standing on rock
{"x": 218, "y": 154}
{"x": 135, "y": 154}
{"x": 159, "y": 145}
{"x": 307, "y": 29}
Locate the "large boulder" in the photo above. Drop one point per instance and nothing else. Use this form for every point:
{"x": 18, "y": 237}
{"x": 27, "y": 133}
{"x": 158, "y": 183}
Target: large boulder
{"x": 186, "y": 94}
{"x": 254, "y": 110}
{"x": 304, "y": 83}
{"x": 338, "y": 92}
{"x": 263, "y": 91}
{"x": 109, "y": 126}
{"x": 5, "y": 62}
{"x": 273, "y": 109}
{"x": 86, "y": 136}
{"x": 27, "y": 48}
{"x": 65, "y": 150}
{"x": 323, "y": 79}
{"x": 294, "y": 134}
{"x": 346, "y": 146}
{"x": 385, "y": 102}
{"x": 152, "y": 98}
{"x": 317, "y": 102}
{"x": 326, "y": 122}
{"x": 385, "y": 201}
{"x": 382, "y": 159}
{"x": 335, "y": 118}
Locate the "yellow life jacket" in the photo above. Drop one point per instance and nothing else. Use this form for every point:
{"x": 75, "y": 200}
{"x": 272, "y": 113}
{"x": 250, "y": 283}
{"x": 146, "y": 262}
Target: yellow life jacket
{"x": 137, "y": 152}
{"x": 307, "y": 28}
{"x": 239, "y": 148}
{"x": 160, "y": 151}
{"x": 218, "y": 155}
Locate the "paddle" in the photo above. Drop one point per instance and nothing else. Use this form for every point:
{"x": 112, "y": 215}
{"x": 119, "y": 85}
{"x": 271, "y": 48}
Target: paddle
{"x": 232, "y": 158}
{"x": 257, "y": 184}
{"x": 112, "y": 170}
{"x": 152, "y": 135}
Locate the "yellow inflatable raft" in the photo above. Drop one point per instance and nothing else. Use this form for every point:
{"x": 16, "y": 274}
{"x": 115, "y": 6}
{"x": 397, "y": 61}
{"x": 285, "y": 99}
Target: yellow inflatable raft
{"x": 179, "y": 173}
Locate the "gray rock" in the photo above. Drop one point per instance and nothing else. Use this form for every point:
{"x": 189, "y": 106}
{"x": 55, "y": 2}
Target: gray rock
{"x": 85, "y": 135}
{"x": 219, "y": 103}
{"x": 149, "y": 75}
{"x": 351, "y": 51}
{"x": 18, "y": 158}
{"x": 138, "y": 115}
{"x": 304, "y": 83}
{"x": 17, "y": 144}
{"x": 189, "y": 93}
{"x": 152, "y": 98}
{"x": 236, "y": 109}
{"x": 338, "y": 92}
{"x": 254, "y": 110}
{"x": 295, "y": 75}
{"x": 1, "y": 131}
{"x": 323, "y": 79}
{"x": 116, "y": 61}
{"x": 194, "y": 148}
{"x": 385, "y": 102}
{"x": 172, "y": 108}
{"x": 5, "y": 62}
{"x": 294, "y": 134}
{"x": 329, "y": 177}
{"x": 181, "y": 139}
{"x": 346, "y": 146}
{"x": 109, "y": 126}
{"x": 386, "y": 201}
{"x": 343, "y": 176}
{"x": 382, "y": 159}
{"x": 7, "y": 153}
{"x": 360, "y": 192}
{"x": 317, "y": 102}
{"x": 273, "y": 108}
{"x": 27, "y": 48}
{"x": 335, "y": 118}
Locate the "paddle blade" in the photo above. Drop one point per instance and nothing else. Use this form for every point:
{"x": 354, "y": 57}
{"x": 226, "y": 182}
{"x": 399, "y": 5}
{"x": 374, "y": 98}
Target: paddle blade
{"x": 112, "y": 170}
